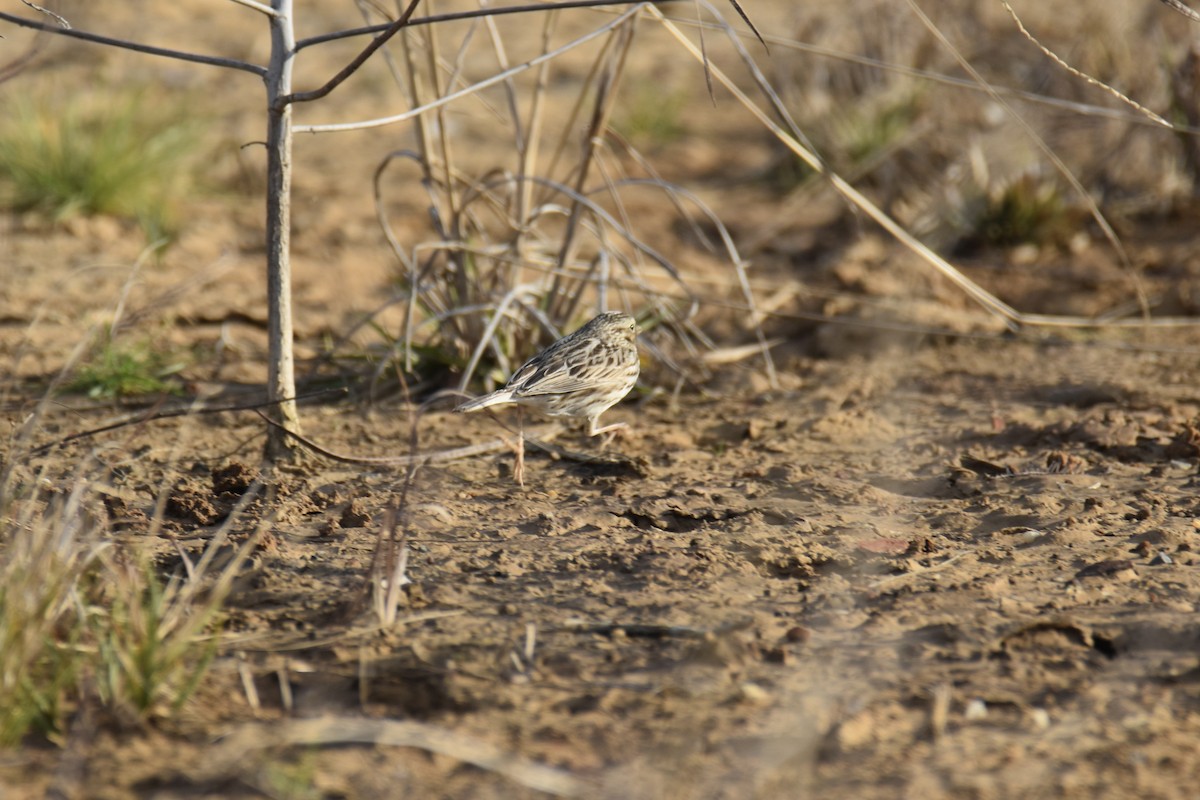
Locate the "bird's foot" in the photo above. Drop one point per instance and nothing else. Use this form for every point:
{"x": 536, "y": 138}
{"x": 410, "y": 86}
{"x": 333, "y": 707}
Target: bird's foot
{"x": 610, "y": 432}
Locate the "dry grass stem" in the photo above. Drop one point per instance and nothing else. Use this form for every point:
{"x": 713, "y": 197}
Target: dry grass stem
{"x": 1082, "y": 75}
{"x": 229, "y": 758}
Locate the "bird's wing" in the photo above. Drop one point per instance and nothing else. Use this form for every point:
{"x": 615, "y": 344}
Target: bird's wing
{"x": 556, "y": 379}
{"x": 553, "y": 375}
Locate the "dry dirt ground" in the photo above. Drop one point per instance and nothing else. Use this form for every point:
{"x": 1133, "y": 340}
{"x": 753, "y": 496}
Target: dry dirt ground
{"x": 934, "y": 565}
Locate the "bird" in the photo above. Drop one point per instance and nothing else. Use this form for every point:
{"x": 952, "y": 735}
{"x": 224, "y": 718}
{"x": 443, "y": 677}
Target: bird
{"x": 582, "y": 375}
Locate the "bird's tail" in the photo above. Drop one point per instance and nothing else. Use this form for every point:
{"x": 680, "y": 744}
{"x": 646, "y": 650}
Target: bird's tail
{"x": 494, "y": 399}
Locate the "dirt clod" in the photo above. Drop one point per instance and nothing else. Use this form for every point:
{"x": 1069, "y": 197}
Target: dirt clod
{"x": 355, "y": 515}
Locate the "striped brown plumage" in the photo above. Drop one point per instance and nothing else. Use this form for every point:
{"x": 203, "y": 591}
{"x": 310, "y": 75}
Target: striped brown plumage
{"x": 582, "y": 375}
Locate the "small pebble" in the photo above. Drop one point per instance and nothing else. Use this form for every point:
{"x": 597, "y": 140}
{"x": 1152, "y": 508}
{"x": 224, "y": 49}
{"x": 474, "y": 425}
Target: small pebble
{"x": 753, "y": 694}
{"x": 1030, "y": 535}
{"x": 975, "y": 710}
{"x": 1161, "y": 558}
{"x": 798, "y": 634}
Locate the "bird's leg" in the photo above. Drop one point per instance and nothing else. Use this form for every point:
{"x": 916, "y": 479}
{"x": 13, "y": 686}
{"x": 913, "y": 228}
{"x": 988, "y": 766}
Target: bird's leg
{"x": 611, "y": 430}
{"x": 519, "y": 460}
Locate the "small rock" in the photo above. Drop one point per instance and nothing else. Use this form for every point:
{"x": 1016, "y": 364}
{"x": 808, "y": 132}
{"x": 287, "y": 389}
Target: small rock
{"x": 1030, "y": 535}
{"x": 753, "y": 694}
{"x": 234, "y": 478}
{"x": 1161, "y": 558}
{"x": 975, "y": 710}
{"x": 1024, "y": 254}
{"x": 355, "y": 515}
{"x": 798, "y": 634}
{"x": 1111, "y": 568}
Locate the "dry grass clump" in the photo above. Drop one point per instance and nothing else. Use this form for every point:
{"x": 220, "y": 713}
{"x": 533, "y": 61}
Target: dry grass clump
{"x": 527, "y": 247}
{"x": 85, "y": 621}
{"x": 888, "y": 106}
{"x": 48, "y": 558}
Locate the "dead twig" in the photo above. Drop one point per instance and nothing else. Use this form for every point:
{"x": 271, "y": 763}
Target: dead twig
{"x": 1057, "y": 59}
{"x": 61, "y": 20}
{"x": 1187, "y": 11}
{"x": 616, "y": 462}
{"x": 229, "y": 757}
{"x": 153, "y": 414}
{"x": 545, "y": 434}
{"x": 389, "y": 563}
{"x": 649, "y": 631}
{"x": 891, "y": 580}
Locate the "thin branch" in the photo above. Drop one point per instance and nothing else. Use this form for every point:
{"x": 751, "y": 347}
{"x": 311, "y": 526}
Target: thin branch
{"x": 259, "y": 7}
{"x": 214, "y": 61}
{"x": 61, "y": 20}
{"x": 1183, "y": 9}
{"x": 472, "y": 89}
{"x": 155, "y": 413}
{"x": 379, "y": 41}
{"x": 461, "y": 15}
{"x": 542, "y": 435}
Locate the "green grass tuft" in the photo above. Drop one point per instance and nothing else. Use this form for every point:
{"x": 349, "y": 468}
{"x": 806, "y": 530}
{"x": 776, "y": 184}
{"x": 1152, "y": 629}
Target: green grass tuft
{"x": 154, "y": 645}
{"x": 126, "y": 157}
{"x": 1027, "y": 211}
{"x": 855, "y": 138}
{"x": 653, "y": 118}
{"x": 124, "y": 369}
